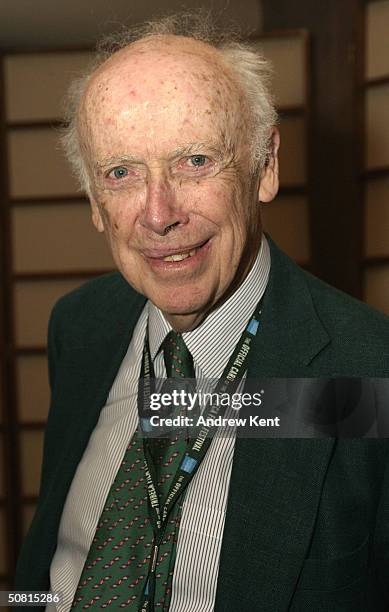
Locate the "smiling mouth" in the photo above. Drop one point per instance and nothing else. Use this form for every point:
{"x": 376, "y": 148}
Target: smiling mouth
{"x": 174, "y": 257}
{"x": 181, "y": 256}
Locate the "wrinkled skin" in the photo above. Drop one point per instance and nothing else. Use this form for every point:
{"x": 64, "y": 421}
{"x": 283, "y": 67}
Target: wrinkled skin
{"x": 163, "y": 126}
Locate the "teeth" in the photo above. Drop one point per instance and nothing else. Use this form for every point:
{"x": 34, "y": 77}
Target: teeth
{"x": 179, "y": 256}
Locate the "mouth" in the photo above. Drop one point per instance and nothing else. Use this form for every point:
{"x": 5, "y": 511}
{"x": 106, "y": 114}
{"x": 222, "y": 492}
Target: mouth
{"x": 182, "y": 256}
{"x": 174, "y": 257}
{"x": 178, "y": 254}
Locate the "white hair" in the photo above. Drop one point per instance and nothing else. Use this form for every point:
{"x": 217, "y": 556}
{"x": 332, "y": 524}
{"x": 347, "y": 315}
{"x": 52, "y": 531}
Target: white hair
{"x": 250, "y": 69}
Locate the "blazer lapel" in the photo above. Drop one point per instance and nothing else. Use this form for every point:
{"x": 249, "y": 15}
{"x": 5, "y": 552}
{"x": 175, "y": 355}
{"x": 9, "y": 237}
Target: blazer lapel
{"x": 274, "y": 496}
{"x": 87, "y": 371}
{"x": 275, "y": 484}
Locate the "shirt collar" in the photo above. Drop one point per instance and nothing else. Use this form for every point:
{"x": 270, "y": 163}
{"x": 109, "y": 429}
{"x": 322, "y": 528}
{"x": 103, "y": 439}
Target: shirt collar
{"x": 210, "y": 338}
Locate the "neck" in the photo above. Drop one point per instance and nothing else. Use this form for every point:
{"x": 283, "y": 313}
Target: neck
{"x": 185, "y": 322}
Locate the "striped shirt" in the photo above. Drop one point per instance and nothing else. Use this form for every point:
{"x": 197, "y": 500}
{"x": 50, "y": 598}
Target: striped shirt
{"x": 202, "y": 521}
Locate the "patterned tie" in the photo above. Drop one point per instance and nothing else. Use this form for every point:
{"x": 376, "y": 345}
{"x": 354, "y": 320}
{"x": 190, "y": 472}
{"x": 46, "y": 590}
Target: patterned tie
{"x": 167, "y": 452}
{"x": 117, "y": 566}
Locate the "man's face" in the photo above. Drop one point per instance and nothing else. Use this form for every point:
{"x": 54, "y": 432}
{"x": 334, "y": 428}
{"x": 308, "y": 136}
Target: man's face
{"x": 169, "y": 163}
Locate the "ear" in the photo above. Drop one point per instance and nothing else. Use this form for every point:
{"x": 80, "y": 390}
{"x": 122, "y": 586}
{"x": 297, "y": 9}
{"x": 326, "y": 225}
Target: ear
{"x": 269, "y": 183}
{"x": 96, "y": 214}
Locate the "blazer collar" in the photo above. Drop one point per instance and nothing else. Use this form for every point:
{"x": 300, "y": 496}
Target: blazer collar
{"x": 291, "y": 333}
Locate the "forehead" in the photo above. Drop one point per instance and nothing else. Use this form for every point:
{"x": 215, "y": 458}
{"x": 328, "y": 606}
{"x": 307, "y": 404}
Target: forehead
{"x": 162, "y": 89}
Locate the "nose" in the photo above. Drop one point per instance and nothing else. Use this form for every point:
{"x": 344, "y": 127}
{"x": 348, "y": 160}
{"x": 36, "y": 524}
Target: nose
{"x": 161, "y": 208}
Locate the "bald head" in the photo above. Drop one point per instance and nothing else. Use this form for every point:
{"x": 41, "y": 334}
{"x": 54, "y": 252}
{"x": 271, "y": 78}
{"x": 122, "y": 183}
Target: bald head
{"x": 246, "y": 75}
{"x": 158, "y": 83}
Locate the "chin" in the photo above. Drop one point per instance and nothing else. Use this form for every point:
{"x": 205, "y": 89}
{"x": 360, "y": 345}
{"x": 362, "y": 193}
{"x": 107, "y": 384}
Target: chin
{"x": 180, "y": 305}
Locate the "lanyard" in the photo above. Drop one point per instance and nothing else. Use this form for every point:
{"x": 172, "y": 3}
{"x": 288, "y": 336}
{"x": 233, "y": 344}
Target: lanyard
{"x": 196, "y": 448}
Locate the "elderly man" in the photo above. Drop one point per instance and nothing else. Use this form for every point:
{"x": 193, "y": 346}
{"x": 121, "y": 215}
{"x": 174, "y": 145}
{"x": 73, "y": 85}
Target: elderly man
{"x": 173, "y": 137}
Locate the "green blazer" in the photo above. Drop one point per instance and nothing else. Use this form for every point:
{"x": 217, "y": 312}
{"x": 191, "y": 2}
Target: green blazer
{"x": 307, "y": 521}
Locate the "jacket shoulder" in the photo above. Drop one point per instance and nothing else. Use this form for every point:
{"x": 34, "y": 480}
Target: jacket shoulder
{"x": 352, "y": 338}
{"x": 97, "y": 304}
{"x": 101, "y": 288}
{"x": 359, "y": 333}
{"x": 342, "y": 310}
{"x": 95, "y": 296}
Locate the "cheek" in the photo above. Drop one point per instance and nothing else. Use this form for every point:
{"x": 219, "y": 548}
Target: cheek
{"x": 242, "y": 227}
{"x": 224, "y": 203}
{"x": 111, "y": 224}
{"x": 108, "y": 222}
{"x": 245, "y": 208}
{"x": 238, "y": 216}
{"x": 117, "y": 217}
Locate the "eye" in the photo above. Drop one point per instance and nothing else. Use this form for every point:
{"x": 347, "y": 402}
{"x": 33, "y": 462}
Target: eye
{"x": 198, "y": 160}
{"x": 118, "y": 173}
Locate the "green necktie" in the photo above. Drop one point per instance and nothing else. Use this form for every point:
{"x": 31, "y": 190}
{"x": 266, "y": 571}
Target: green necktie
{"x": 116, "y": 569}
{"x": 167, "y": 452}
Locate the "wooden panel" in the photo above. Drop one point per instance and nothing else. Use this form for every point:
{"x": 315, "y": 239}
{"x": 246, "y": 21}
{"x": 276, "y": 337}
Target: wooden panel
{"x": 293, "y": 151}
{"x": 377, "y": 217}
{"x": 48, "y": 238}
{"x": 28, "y": 514}
{"x": 377, "y": 39}
{"x": 33, "y": 303}
{"x": 336, "y": 39}
{"x": 377, "y": 125}
{"x": 36, "y": 83}
{"x": 31, "y": 445}
{"x": 288, "y": 56}
{"x": 3, "y": 542}
{"x": 33, "y": 388}
{"x": 2, "y": 474}
{"x": 37, "y": 165}
{"x": 377, "y": 287}
{"x": 286, "y": 220}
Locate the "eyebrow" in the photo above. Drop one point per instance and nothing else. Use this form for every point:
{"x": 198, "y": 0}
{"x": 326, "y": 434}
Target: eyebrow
{"x": 186, "y": 149}
{"x": 191, "y": 148}
{"x": 109, "y": 161}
